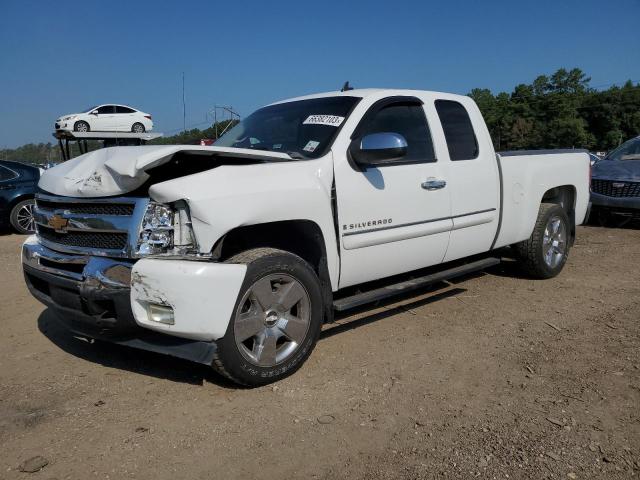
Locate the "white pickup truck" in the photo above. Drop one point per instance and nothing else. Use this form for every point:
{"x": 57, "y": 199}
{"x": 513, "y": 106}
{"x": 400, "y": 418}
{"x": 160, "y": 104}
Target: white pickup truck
{"x": 235, "y": 255}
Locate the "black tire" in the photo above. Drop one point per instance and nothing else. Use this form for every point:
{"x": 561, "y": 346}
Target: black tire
{"x": 81, "y": 126}
{"x": 21, "y": 217}
{"x": 531, "y": 253}
{"x": 263, "y": 263}
{"x": 137, "y": 128}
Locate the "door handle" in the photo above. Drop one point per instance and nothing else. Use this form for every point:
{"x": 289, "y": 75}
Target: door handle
{"x": 433, "y": 184}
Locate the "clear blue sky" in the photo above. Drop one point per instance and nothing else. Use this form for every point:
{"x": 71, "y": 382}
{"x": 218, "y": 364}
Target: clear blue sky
{"x": 57, "y": 60}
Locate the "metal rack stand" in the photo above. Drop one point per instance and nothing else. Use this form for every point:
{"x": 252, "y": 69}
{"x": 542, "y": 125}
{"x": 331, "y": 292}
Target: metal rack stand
{"x": 109, "y": 139}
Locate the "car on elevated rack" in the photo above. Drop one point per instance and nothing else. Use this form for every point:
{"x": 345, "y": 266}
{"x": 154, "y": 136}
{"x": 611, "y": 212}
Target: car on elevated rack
{"x": 18, "y": 187}
{"x": 106, "y": 118}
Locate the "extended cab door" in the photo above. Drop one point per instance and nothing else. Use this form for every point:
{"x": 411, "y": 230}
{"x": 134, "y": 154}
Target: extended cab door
{"x": 391, "y": 218}
{"x": 474, "y": 179}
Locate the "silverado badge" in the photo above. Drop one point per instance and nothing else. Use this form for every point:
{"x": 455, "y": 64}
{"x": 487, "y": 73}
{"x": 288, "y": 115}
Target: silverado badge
{"x": 58, "y": 223}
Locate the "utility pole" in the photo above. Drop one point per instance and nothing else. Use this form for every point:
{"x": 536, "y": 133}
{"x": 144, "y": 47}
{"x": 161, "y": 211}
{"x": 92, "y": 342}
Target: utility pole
{"x": 184, "y": 108}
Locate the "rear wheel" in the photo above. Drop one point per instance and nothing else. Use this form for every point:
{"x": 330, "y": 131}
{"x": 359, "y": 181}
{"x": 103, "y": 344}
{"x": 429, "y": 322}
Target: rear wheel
{"x": 22, "y": 217}
{"x": 137, "y": 128}
{"x": 276, "y": 319}
{"x": 81, "y": 126}
{"x": 544, "y": 254}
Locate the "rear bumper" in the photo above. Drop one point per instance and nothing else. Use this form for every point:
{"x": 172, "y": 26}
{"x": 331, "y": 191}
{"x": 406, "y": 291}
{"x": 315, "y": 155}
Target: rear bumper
{"x": 96, "y": 298}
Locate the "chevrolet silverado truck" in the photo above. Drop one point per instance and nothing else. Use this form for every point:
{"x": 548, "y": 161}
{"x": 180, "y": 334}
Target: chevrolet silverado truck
{"x": 234, "y": 255}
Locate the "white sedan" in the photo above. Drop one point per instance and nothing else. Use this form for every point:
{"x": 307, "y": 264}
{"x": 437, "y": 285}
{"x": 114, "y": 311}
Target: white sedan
{"x": 106, "y": 118}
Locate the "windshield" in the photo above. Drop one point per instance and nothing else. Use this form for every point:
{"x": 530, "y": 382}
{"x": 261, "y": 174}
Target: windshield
{"x": 629, "y": 150}
{"x": 89, "y": 109}
{"x": 302, "y": 129}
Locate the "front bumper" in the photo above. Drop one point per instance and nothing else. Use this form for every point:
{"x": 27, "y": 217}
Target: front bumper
{"x": 99, "y": 298}
{"x": 66, "y": 126}
{"x": 615, "y": 203}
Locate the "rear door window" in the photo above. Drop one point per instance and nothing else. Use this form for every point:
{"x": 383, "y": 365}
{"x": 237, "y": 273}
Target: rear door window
{"x": 120, "y": 109}
{"x": 458, "y": 130}
{"x": 6, "y": 174}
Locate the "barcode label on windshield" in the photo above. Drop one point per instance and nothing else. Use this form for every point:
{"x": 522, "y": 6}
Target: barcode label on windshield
{"x": 331, "y": 120}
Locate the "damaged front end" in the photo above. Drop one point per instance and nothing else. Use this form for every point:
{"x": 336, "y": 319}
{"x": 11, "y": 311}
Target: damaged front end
{"x": 102, "y": 265}
{"x": 119, "y": 259}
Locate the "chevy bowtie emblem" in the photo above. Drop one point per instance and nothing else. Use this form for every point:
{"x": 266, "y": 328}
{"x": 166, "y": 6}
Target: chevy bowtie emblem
{"x": 58, "y": 223}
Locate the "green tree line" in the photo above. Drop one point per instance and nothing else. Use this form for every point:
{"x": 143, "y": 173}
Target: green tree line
{"x": 560, "y": 110}
{"x": 195, "y": 135}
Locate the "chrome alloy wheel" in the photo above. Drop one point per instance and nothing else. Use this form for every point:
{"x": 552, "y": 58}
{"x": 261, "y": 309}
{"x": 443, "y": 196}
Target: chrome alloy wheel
{"x": 554, "y": 242}
{"x": 82, "y": 127}
{"x": 272, "y": 319}
{"x": 24, "y": 217}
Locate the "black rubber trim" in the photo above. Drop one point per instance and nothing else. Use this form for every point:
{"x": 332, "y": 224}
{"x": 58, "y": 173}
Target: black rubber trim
{"x": 411, "y": 224}
{"x": 495, "y": 239}
{"x": 518, "y": 153}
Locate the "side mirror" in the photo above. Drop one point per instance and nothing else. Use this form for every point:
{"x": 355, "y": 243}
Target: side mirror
{"x": 378, "y": 149}
{"x": 95, "y": 112}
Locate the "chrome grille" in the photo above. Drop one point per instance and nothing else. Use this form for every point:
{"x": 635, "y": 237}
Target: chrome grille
{"x": 101, "y": 240}
{"x": 88, "y": 208}
{"x": 100, "y": 227}
{"x": 615, "y": 188}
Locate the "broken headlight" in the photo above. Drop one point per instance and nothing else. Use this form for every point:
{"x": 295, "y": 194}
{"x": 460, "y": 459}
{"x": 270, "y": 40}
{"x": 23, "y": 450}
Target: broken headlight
{"x": 156, "y": 232}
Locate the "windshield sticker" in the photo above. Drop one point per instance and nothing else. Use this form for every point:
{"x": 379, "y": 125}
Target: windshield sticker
{"x": 311, "y": 146}
{"x": 331, "y": 120}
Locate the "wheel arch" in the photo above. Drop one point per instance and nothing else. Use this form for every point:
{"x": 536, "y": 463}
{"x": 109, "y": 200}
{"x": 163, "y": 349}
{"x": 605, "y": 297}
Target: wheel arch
{"x": 303, "y": 238}
{"x": 565, "y": 196}
{"x": 137, "y": 122}
{"x": 19, "y": 198}
{"x": 75, "y": 124}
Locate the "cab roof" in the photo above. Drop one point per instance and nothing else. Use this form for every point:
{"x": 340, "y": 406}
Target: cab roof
{"x": 368, "y": 92}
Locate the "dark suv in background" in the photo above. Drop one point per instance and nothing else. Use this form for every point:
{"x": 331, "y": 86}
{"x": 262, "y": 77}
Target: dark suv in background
{"x": 18, "y": 186}
{"x": 615, "y": 185}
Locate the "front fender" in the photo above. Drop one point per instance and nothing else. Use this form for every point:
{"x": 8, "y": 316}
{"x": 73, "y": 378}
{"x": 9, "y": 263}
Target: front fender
{"x": 229, "y": 197}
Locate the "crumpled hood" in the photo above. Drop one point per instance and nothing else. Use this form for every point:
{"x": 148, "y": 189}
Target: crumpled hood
{"x": 118, "y": 170}
{"x": 627, "y": 170}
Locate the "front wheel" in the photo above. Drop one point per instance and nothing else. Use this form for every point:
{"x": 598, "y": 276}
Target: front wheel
{"x": 276, "y": 319}
{"x": 81, "y": 126}
{"x": 544, "y": 254}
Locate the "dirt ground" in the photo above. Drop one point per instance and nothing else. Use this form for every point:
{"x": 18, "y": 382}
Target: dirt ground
{"x": 495, "y": 376}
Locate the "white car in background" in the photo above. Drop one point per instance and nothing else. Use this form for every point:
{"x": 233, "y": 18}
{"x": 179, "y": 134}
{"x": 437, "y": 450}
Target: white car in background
{"x": 106, "y": 118}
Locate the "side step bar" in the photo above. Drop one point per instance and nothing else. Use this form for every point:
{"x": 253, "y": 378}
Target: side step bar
{"x": 382, "y": 293}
